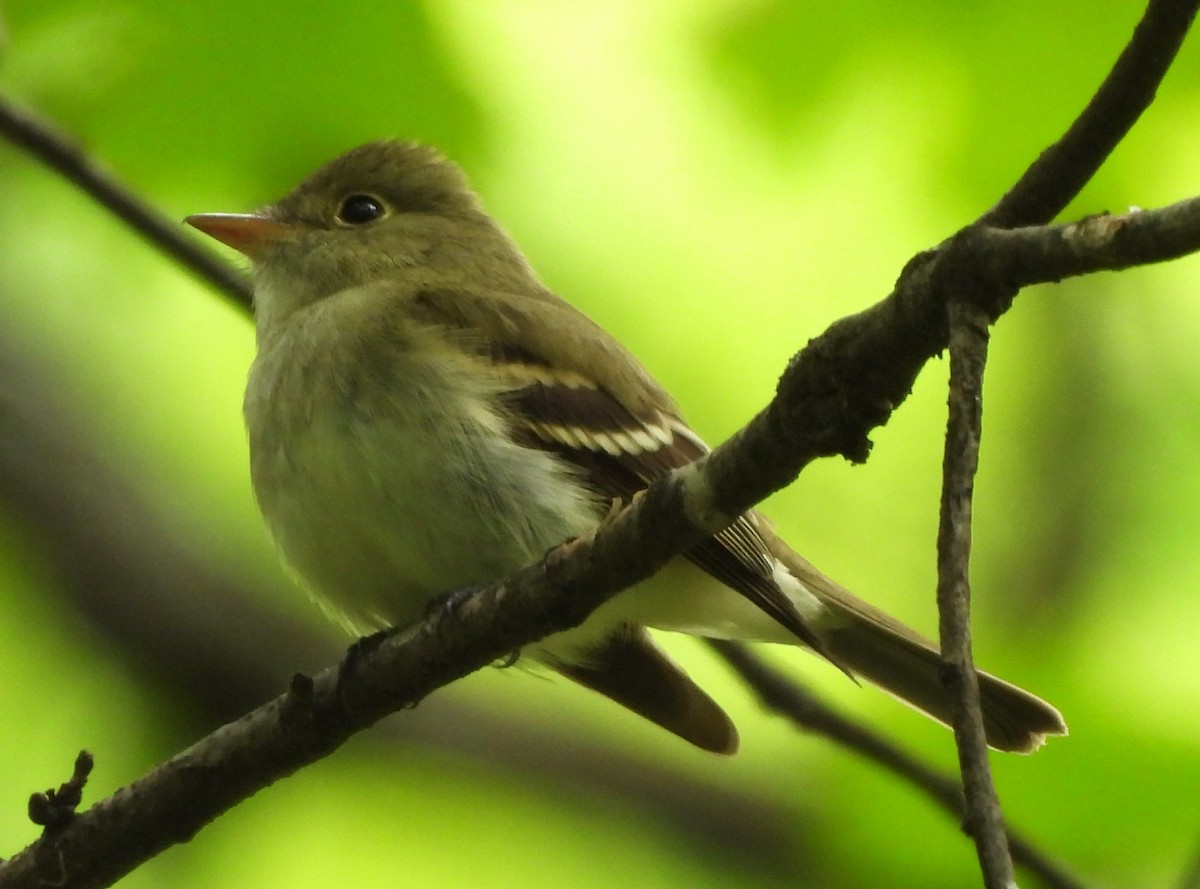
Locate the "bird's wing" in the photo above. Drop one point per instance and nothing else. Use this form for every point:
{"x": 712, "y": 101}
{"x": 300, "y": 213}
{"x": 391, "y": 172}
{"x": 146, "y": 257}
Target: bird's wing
{"x": 607, "y": 417}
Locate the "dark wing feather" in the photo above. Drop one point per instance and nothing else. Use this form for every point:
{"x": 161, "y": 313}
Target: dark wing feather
{"x": 621, "y": 453}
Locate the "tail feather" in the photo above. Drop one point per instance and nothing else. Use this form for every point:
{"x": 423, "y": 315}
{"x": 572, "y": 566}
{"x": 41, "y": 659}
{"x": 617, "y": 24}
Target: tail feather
{"x": 631, "y": 670}
{"x": 885, "y": 652}
{"x": 1014, "y": 719}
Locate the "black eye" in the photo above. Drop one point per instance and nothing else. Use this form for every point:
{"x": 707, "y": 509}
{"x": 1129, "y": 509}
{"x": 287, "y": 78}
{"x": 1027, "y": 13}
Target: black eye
{"x": 359, "y": 209}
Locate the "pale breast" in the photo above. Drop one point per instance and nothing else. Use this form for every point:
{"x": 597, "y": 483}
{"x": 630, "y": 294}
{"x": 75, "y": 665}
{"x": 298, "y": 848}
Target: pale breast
{"x": 388, "y": 478}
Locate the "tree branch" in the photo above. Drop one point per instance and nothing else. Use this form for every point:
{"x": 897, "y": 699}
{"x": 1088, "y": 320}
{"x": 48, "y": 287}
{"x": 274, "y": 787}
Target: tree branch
{"x": 1107, "y": 242}
{"x": 984, "y": 821}
{"x": 59, "y": 152}
{"x": 1063, "y": 169}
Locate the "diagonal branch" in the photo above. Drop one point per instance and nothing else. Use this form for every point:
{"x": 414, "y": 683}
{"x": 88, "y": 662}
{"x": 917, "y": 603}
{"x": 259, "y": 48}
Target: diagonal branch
{"x": 1063, "y": 169}
{"x": 59, "y": 152}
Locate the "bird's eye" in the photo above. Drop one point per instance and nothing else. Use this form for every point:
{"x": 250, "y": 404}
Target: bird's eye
{"x": 359, "y": 209}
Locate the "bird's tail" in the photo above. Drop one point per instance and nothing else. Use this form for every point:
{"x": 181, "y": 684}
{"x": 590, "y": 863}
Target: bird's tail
{"x": 630, "y": 669}
{"x": 877, "y": 647}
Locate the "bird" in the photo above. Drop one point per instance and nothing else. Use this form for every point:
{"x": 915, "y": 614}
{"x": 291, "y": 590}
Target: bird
{"x": 424, "y": 415}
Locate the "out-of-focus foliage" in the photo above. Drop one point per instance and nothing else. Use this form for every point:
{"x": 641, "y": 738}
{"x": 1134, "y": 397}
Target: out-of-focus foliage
{"x": 714, "y": 181}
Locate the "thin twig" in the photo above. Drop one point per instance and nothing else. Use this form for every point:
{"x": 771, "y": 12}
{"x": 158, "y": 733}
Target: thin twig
{"x": 57, "y": 151}
{"x": 785, "y": 696}
{"x": 1062, "y": 170}
{"x": 984, "y": 820}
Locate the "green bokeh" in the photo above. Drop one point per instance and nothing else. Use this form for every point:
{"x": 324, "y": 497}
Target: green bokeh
{"x": 715, "y": 182}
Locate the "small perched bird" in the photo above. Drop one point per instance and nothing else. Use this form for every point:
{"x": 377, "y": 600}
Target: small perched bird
{"x": 424, "y": 415}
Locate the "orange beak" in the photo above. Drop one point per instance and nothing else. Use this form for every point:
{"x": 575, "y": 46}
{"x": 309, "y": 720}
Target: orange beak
{"x": 247, "y": 233}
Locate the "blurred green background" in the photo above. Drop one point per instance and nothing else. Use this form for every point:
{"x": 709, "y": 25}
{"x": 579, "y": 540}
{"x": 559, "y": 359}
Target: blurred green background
{"x": 715, "y": 181}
